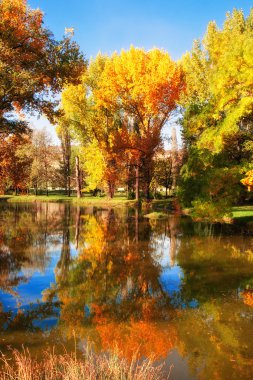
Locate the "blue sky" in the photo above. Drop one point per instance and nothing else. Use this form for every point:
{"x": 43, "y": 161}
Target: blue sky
{"x": 109, "y": 25}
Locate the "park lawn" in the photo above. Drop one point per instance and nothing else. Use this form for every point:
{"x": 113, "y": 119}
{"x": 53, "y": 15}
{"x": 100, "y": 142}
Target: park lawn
{"x": 86, "y": 199}
{"x": 240, "y": 214}
{"x": 243, "y": 213}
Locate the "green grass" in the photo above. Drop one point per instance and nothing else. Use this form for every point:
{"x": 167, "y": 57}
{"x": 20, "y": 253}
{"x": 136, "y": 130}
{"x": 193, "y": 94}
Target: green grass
{"x": 156, "y": 215}
{"x": 118, "y": 200}
{"x": 243, "y": 213}
{"x": 33, "y": 198}
{"x": 240, "y": 214}
{"x": 85, "y": 200}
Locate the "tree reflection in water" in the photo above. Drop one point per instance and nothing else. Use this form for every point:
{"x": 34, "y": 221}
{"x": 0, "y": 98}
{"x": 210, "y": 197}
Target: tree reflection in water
{"x": 112, "y": 290}
{"x": 106, "y": 268}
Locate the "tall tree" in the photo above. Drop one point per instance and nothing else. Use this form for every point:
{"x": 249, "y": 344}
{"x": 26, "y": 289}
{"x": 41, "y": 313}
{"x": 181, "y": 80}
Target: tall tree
{"x": 93, "y": 127}
{"x": 123, "y": 104}
{"x": 145, "y": 87}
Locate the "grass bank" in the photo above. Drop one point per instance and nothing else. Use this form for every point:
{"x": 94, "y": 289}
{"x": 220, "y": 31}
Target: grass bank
{"x": 243, "y": 214}
{"x": 68, "y": 367}
{"x": 156, "y": 215}
{"x": 86, "y": 200}
{"x": 240, "y": 214}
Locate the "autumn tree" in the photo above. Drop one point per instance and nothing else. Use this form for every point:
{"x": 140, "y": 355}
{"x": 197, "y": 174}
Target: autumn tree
{"x": 15, "y": 162}
{"x": 94, "y": 128}
{"x": 123, "y": 104}
{"x": 33, "y": 65}
{"x": 145, "y": 87}
{"x": 46, "y": 160}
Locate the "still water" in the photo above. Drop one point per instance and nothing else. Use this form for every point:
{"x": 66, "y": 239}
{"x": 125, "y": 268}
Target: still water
{"x": 173, "y": 290}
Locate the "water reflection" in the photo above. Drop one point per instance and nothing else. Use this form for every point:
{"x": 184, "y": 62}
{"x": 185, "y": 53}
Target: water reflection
{"x": 119, "y": 280}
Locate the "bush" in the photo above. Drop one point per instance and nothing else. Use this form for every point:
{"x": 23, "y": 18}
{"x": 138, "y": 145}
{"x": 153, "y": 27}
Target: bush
{"x": 211, "y": 211}
{"x": 131, "y": 195}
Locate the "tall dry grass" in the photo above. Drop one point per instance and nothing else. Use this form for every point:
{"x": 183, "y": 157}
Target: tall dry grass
{"x": 51, "y": 366}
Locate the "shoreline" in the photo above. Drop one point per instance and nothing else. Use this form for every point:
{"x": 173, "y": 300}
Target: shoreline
{"x": 242, "y": 214}
{"x": 85, "y": 201}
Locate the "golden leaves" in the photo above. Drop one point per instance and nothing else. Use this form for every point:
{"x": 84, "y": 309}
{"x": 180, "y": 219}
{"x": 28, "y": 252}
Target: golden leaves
{"x": 248, "y": 180}
{"x": 141, "y": 83}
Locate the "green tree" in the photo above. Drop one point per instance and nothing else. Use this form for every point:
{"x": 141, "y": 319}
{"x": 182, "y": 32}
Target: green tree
{"x": 218, "y": 119}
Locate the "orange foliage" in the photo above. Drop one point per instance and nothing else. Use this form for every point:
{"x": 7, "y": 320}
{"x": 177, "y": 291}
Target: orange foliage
{"x": 141, "y": 338}
{"x": 24, "y": 24}
{"x": 32, "y": 62}
{"x": 144, "y": 84}
{"x": 13, "y": 167}
{"x": 248, "y": 297}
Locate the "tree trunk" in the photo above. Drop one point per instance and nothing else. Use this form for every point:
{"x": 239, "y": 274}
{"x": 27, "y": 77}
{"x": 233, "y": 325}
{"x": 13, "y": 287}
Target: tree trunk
{"x": 68, "y": 185}
{"x": 166, "y": 193}
{"x": 78, "y": 215}
{"x": 137, "y": 185}
{"x": 78, "y": 179}
{"x": 127, "y": 183}
{"x": 111, "y": 188}
{"x": 148, "y": 181}
{"x": 148, "y": 188}
{"x": 174, "y": 159}
{"x": 136, "y": 225}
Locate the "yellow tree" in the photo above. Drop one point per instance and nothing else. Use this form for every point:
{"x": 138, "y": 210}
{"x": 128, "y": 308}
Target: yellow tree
{"x": 94, "y": 127}
{"x": 144, "y": 87}
{"x": 123, "y": 103}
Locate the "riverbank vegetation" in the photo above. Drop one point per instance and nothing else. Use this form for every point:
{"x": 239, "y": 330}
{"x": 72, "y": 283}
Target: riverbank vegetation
{"x": 68, "y": 367}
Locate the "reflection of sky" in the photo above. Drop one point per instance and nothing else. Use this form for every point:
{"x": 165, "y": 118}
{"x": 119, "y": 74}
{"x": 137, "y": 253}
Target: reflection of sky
{"x": 31, "y": 291}
{"x": 170, "y": 279}
{"x": 171, "y": 276}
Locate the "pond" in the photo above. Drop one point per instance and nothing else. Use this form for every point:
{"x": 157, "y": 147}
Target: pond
{"x": 170, "y": 289}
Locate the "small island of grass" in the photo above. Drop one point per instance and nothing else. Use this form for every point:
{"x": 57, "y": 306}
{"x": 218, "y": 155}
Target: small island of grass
{"x": 156, "y": 215}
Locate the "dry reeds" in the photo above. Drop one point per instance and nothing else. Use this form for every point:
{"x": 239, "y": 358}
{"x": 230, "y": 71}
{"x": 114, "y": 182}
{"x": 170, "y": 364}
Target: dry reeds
{"x": 51, "y": 366}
